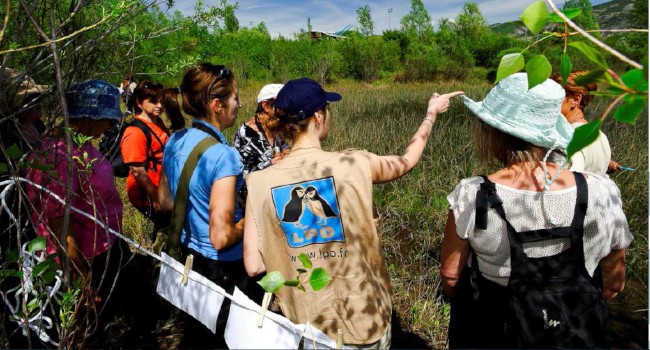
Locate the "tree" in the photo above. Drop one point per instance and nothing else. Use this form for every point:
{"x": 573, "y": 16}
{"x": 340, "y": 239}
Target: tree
{"x": 470, "y": 23}
{"x": 417, "y": 23}
{"x": 587, "y": 20}
{"x": 366, "y": 24}
{"x": 230, "y": 20}
{"x": 309, "y": 25}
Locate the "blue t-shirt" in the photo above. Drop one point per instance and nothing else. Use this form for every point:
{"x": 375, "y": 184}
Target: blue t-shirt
{"x": 217, "y": 162}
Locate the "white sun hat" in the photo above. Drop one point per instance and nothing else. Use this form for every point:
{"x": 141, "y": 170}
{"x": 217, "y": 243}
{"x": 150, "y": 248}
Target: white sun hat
{"x": 531, "y": 115}
{"x": 269, "y": 91}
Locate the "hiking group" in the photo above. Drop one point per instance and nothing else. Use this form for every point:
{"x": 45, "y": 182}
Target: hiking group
{"x": 530, "y": 256}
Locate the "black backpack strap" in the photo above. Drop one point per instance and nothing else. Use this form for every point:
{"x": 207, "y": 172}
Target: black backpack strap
{"x": 486, "y": 197}
{"x": 146, "y": 130}
{"x": 582, "y": 199}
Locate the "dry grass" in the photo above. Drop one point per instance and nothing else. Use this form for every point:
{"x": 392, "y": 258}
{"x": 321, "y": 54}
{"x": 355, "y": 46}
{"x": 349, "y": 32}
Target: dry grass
{"x": 381, "y": 119}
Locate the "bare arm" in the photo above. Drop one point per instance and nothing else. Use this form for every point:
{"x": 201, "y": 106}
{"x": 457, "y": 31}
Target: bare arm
{"x": 389, "y": 168}
{"x": 453, "y": 257}
{"x": 223, "y": 231}
{"x": 143, "y": 180}
{"x": 252, "y": 257}
{"x": 164, "y": 193}
{"x": 613, "y": 268}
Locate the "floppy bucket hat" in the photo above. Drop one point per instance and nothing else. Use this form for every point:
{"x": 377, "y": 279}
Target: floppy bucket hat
{"x": 269, "y": 91}
{"x": 301, "y": 98}
{"x": 531, "y": 115}
{"x": 17, "y": 91}
{"x": 94, "y": 99}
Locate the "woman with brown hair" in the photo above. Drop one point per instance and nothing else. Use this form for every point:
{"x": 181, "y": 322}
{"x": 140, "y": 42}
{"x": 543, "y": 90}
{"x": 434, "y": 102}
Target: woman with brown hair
{"x": 531, "y": 233}
{"x": 213, "y": 224}
{"x": 172, "y": 115}
{"x": 142, "y": 146}
{"x": 315, "y": 202}
{"x": 596, "y": 157}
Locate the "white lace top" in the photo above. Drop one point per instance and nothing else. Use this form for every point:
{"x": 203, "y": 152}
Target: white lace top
{"x": 605, "y": 224}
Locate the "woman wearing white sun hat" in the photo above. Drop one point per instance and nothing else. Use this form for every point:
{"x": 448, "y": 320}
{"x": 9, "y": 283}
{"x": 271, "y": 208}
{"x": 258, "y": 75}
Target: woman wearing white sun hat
{"x": 258, "y": 146}
{"x": 491, "y": 217}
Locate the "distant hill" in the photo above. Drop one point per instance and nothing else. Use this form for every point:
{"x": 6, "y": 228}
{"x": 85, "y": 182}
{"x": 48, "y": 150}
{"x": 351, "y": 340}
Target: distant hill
{"x": 611, "y": 15}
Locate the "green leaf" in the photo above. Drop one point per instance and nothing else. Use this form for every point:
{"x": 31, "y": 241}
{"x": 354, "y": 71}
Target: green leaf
{"x": 40, "y": 268}
{"x": 591, "y": 53}
{"x": 3, "y": 168}
{"x": 629, "y": 111}
{"x": 42, "y": 167}
{"x": 12, "y": 256}
{"x": 571, "y": 13}
{"x": 583, "y": 136}
{"x": 272, "y": 282}
{"x": 32, "y": 304}
{"x": 49, "y": 276}
{"x": 11, "y": 273}
{"x": 291, "y": 283}
{"x": 37, "y": 243}
{"x": 510, "y": 64}
{"x": 635, "y": 79}
{"x": 319, "y": 279}
{"x": 538, "y": 69}
{"x": 535, "y": 16}
{"x": 14, "y": 152}
{"x": 304, "y": 259}
{"x": 301, "y": 270}
{"x": 565, "y": 68}
{"x": 592, "y": 77}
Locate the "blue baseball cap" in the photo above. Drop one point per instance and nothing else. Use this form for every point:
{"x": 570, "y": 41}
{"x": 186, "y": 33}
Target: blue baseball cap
{"x": 301, "y": 98}
{"x": 94, "y": 99}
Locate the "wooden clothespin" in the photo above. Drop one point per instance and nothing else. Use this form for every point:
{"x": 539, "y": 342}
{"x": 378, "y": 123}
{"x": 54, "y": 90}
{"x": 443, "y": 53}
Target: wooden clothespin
{"x": 265, "y": 306}
{"x": 188, "y": 267}
{"x": 339, "y": 339}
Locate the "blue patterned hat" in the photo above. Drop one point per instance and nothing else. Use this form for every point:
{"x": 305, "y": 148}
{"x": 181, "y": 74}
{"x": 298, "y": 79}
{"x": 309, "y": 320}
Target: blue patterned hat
{"x": 531, "y": 115}
{"x": 94, "y": 99}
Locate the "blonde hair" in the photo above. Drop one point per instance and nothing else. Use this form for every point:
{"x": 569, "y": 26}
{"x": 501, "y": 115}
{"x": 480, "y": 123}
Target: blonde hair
{"x": 497, "y": 148}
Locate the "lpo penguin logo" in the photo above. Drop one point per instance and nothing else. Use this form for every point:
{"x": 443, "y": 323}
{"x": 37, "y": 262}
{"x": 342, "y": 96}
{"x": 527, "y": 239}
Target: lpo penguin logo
{"x": 309, "y": 212}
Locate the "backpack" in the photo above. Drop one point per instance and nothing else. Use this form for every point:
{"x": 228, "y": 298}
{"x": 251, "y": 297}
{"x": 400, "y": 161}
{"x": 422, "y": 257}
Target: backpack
{"x": 110, "y": 146}
{"x": 549, "y": 302}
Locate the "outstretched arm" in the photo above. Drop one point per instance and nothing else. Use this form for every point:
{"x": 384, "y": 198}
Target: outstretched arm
{"x": 389, "y": 168}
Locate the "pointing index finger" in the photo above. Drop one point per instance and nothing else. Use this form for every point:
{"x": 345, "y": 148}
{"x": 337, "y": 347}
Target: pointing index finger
{"x": 454, "y": 94}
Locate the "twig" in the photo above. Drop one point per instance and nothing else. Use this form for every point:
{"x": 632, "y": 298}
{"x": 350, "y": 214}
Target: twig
{"x": 50, "y": 42}
{"x": 611, "y": 105}
{"x": 6, "y": 22}
{"x": 596, "y": 42}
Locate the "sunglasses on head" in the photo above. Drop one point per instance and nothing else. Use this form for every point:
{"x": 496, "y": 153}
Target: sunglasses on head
{"x": 223, "y": 73}
{"x": 152, "y": 86}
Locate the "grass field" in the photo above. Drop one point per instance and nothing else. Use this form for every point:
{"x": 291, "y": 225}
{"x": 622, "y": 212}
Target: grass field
{"x": 382, "y": 118}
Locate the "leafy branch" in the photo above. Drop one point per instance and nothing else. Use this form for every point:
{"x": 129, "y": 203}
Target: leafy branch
{"x": 318, "y": 279}
{"x": 630, "y": 88}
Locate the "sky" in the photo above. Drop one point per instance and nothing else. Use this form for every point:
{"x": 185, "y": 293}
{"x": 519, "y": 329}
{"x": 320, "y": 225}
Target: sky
{"x": 286, "y": 17}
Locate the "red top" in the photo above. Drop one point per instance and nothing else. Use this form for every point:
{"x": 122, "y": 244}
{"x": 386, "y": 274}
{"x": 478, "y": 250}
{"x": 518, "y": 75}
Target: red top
{"x": 134, "y": 150}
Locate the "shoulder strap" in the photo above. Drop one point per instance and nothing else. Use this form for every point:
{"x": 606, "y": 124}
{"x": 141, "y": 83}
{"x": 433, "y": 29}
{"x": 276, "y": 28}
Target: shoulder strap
{"x": 486, "y": 197}
{"x": 582, "y": 198}
{"x": 182, "y": 192}
{"x": 206, "y": 129}
{"x": 146, "y": 130}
